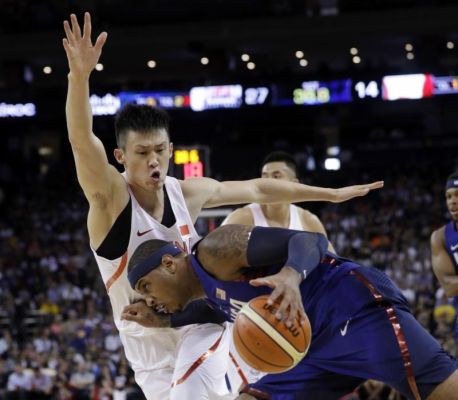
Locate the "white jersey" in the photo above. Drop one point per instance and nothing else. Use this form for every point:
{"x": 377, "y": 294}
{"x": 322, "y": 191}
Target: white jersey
{"x": 146, "y": 349}
{"x": 259, "y": 218}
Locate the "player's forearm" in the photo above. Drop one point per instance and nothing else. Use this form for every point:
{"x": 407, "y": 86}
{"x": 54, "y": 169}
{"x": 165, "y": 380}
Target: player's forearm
{"x": 78, "y": 110}
{"x": 276, "y": 191}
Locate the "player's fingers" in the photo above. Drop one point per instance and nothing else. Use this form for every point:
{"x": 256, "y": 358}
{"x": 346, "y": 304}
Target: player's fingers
{"x": 101, "y": 39}
{"x": 291, "y": 315}
{"x": 75, "y": 27}
{"x": 282, "y": 311}
{"x": 262, "y": 282}
{"x": 68, "y": 32}
{"x": 301, "y": 313}
{"x": 66, "y": 45}
{"x": 275, "y": 295}
{"x": 129, "y": 317}
{"x": 376, "y": 185}
{"x": 87, "y": 27}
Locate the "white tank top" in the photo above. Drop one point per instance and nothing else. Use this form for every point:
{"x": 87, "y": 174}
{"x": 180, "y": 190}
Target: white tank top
{"x": 146, "y": 348}
{"x": 259, "y": 218}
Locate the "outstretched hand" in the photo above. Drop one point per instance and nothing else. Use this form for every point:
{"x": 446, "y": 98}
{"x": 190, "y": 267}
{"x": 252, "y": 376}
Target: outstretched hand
{"x": 348, "y": 192}
{"x": 144, "y": 315}
{"x": 285, "y": 285}
{"x": 81, "y": 54}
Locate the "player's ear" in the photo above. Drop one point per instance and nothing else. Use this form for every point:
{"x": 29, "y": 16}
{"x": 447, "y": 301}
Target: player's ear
{"x": 119, "y": 156}
{"x": 171, "y": 149}
{"x": 168, "y": 262}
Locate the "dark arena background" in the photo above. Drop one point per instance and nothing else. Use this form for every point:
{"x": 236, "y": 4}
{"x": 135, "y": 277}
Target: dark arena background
{"x": 355, "y": 90}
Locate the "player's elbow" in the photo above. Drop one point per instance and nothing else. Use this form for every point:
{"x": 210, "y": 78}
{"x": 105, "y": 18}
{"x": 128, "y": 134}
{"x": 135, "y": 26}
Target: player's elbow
{"x": 450, "y": 290}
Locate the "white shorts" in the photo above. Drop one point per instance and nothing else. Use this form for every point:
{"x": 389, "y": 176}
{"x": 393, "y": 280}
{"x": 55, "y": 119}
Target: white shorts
{"x": 202, "y": 363}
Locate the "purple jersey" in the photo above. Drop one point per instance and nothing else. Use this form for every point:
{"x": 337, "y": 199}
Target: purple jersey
{"x": 451, "y": 243}
{"x": 361, "y": 329}
{"x": 230, "y": 296}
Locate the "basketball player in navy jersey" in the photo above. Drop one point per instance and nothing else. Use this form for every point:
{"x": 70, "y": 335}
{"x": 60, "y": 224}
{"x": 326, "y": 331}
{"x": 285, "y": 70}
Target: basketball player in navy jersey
{"x": 444, "y": 245}
{"x": 362, "y": 327}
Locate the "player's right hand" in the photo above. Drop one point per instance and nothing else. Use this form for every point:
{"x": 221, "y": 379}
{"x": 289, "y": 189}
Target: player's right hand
{"x": 144, "y": 315}
{"x": 349, "y": 192}
{"x": 81, "y": 54}
{"x": 286, "y": 292}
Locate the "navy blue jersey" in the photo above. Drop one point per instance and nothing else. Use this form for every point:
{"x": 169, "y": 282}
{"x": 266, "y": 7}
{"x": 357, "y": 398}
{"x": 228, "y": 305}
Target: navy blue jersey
{"x": 451, "y": 243}
{"x": 230, "y": 296}
{"x": 362, "y": 329}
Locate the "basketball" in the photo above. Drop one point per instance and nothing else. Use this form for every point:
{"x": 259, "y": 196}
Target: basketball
{"x": 264, "y": 342}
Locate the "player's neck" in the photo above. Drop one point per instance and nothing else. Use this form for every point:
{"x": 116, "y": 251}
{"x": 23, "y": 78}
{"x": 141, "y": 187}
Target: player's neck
{"x": 277, "y": 213}
{"x": 151, "y": 201}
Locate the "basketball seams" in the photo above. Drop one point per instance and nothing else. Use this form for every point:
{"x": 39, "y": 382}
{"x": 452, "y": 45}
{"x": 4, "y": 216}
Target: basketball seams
{"x": 272, "y": 333}
{"x": 236, "y": 330}
{"x": 273, "y": 327}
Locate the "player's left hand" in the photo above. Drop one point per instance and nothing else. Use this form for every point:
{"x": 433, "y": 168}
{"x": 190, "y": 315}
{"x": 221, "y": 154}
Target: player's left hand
{"x": 349, "y": 192}
{"x": 285, "y": 285}
{"x": 144, "y": 315}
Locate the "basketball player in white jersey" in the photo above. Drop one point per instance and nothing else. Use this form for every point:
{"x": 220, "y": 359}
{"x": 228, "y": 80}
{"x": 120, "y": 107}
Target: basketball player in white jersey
{"x": 278, "y": 165}
{"x": 143, "y": 203}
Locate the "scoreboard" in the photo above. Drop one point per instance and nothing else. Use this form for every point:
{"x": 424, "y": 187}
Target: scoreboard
{"x": 190, "y": 161}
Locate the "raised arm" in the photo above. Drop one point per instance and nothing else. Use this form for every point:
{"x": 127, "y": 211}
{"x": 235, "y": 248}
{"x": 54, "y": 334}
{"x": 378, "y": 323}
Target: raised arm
{"x": 97, "y": 177}
{"x": 442, "y": 264}
{"x": 210, "y": 193}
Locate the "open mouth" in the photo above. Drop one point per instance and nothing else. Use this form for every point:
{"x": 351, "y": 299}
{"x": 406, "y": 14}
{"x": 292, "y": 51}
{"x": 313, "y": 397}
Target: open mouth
{"x": 156, "y": 175}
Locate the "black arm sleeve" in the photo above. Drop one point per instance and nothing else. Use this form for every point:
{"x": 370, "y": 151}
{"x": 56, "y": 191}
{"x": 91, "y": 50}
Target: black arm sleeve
{"x": 198, "y": 312}
{"x": 297, "y": 249}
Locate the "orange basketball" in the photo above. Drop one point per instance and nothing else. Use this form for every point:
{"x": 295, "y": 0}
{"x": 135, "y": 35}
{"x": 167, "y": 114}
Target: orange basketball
{"x": 264, "y": 342}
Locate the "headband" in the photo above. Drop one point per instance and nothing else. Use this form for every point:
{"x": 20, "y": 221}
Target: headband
{"x": 151, "y": 262}
{"x": 451, "y": 184}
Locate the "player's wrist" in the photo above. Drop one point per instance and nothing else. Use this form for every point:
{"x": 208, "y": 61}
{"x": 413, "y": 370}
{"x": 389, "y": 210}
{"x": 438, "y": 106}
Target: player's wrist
{"x": 78, "y": 76}
{"x": 294, "y": 273}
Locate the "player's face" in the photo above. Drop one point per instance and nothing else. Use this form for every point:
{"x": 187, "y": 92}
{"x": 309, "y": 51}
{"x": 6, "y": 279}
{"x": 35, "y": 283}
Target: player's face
{"x": 161, "y": 290}
{"x": 278, "y": 170}
{"x": 451, "y": 196}
{"x": 146, "y": 158}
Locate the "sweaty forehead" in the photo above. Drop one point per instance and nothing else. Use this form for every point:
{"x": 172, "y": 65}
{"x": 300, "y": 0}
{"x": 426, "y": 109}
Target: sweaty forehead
{"x": 276, "y": 166}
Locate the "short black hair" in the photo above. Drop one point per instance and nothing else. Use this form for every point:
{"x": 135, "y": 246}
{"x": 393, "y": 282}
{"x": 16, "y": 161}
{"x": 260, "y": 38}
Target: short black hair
{"x": 144, "y": 250}
{"x": 281, "y": 156}
{"x": 452, "y": 177}
{"x": 140, "y": 118}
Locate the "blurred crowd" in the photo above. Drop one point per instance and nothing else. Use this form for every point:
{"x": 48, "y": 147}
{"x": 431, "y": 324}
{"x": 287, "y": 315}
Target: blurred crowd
{"x": 57, "y": 337}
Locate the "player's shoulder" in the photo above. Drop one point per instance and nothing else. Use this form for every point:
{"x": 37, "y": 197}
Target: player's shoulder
{"x": 242, "y": 215}
{"x": 307, "y": 216}
{"x": 438, "y": 236}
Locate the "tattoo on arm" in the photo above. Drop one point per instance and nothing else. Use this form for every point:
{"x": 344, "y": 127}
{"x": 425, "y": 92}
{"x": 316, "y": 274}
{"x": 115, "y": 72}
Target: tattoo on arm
{"x": 227, "y": 243}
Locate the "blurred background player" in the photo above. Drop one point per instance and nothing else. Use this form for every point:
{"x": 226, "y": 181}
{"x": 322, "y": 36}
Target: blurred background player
{"x": 142, "y": 203}
{"x": 444, "y": 245}
{"x": 278, "y": 165}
